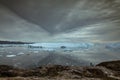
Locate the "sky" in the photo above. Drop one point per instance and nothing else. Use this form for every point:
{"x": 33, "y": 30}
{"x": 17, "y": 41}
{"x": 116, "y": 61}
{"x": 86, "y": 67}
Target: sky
{"x": 60, "y": 20}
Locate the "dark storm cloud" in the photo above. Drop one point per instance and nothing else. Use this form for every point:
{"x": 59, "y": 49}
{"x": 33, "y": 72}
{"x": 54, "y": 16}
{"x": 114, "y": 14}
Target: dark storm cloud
{"x": 13, "y": 27}
{"x": 61, "y": 20}
{"x": 46, "y": 13}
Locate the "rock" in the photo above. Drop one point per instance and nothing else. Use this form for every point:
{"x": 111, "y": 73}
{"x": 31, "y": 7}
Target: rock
{"x": 113, "y": 65}
{"x": 7, "y": 71}
{"x": 94, "y": 72}
{"x": 64, "y": 72}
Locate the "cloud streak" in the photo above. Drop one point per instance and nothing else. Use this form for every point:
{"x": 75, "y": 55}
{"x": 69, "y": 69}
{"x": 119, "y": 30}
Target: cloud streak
{"x": 60, "y": 21}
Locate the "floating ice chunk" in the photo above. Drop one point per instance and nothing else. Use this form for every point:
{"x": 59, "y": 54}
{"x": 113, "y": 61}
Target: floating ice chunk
{"x": 36, "y": 51}
{"x": 10, "y": 55}
{"x": 21, "y": 53}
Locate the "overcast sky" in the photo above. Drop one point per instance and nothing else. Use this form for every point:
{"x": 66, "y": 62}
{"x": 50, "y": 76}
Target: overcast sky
{"x": 60, "y": 20}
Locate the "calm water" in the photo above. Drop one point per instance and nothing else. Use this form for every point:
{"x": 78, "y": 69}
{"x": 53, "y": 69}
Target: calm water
{"x": 25, "y": 57}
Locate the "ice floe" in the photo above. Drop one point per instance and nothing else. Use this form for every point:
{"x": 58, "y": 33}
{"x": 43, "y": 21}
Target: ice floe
{"x": 36, "y": 52}
{"x": 21, "y": 53}
{"x": 10, "y": 55}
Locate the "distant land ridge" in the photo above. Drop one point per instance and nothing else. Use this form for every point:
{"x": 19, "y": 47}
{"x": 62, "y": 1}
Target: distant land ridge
{"x": 14, "y": 42}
